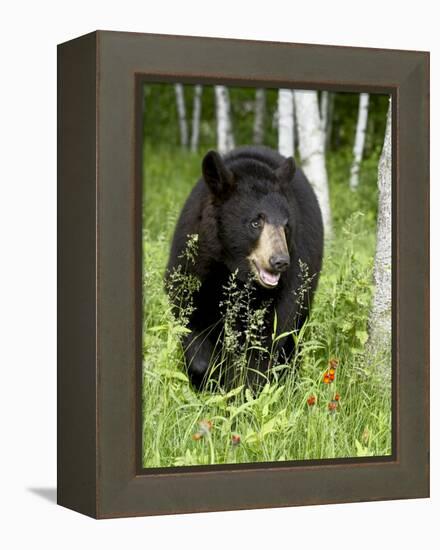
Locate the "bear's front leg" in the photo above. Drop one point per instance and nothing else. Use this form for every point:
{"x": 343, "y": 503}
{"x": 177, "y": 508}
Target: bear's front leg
{"x": 198, "y": 351}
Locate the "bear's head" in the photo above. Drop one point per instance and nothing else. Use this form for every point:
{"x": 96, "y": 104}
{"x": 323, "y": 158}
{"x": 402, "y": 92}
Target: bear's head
{"x": 255, "y": 213}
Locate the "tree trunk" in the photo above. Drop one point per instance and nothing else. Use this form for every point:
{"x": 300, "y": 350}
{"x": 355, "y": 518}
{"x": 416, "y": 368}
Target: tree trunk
{"x": 181, "y": 113}
{"x": 324, "y": 110}
{"x": 225, "y": 137}
{"x": 380, "y": 317}
{"x": 329, "y": 125}
{"x": 311, "y": 150}
{"x": 197, "y": 109}
{"x": 286, "y": 135}
{"x": 260, "y": 110}
{"x": 359, "y": 142}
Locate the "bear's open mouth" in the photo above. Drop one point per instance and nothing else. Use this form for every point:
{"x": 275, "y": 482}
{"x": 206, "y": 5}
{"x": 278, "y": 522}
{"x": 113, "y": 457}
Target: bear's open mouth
{"x": 265, "y": 277}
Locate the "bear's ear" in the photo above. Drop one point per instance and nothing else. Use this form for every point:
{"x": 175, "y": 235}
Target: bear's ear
{"x": 286, "y": 172}
{"x": 217, "y": 176}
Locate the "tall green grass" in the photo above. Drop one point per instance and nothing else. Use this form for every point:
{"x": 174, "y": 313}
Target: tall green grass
{"x": 298, "y": 417}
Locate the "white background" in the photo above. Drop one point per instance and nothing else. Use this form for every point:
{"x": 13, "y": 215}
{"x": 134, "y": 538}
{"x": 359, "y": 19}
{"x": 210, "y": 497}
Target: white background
{"x": 29, "y": 34}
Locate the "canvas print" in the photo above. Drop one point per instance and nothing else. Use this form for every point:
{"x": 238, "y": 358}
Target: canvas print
{"x": 266, "y": 275}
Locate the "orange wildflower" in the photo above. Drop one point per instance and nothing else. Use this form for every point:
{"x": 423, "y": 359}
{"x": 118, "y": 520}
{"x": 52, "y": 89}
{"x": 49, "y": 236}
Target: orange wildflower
{"x": 235, "y": 439}
{"x": 311, "y": 401}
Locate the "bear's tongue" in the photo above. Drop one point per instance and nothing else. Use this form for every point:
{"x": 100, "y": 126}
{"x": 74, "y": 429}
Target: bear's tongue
{"x": 269, "y": 278}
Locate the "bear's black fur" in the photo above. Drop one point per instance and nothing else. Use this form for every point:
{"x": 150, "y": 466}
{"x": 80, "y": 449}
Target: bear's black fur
{"x": 255, "y": 214}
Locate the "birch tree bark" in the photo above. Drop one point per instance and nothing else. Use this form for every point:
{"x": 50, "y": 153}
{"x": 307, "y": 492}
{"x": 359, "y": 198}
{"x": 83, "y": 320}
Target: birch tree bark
{"x": 329, "y": 123}
{"x": 197, "y": 109}
{"x": 286, "y": 133}
{"x": 359, "y": 141}
{"x": 274, "y": 119}
{"x": 225, "y": 137}
{"x": 380, "y": 317}
{"x": 260, "y": 110}
{"x": 324, "y": 110}
{"x": 181, "y": 113}
{"x": 311, "y": 150}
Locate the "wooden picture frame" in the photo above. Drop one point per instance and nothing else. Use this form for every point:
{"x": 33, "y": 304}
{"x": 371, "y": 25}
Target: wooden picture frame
{"x": 99, "y": 91}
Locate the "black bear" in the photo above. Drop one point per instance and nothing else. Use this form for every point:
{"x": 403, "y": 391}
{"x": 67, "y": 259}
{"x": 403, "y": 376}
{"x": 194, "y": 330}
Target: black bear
{"x": 255, "y": 218}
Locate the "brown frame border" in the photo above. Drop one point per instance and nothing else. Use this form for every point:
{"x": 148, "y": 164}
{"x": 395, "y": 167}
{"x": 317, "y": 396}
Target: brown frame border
{"x": 99, "y": 471}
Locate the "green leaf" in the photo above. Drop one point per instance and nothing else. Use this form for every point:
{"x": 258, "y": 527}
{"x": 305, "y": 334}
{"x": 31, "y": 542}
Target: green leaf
{"x": 362, "y": 336}
{"x": 282, "y": 335}
{"x": 363, "y": 300}
{"x": 216, "y": 399}
{"x": 345, "y": 326}
{"x": 248, "y": 395}
{"x": 159, "y": 328}
{"x": 234, "y": 392}
{"x": 277, "y": 394}
{"x": 235, "y": 411}
{"x": 275, "y": 324}
{"x": 251, "y": 437}
{"x": 180, "y": 330}
{"x": 268, "y": 427}
{"x": 177, "y": 376}
{"x": 361, "y": 450}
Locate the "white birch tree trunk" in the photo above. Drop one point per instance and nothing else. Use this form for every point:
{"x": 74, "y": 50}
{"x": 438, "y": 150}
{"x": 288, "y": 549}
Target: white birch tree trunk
{"x": 274, "y": 120}
{"x": 286, "y": 133}
{"x": 359, "y": 142}
{"x": 324, "y": 110}
{"x": 225, "y": 137}
{"x": 260, "y": 110}
{"x": 329, "y": 123}
{"x": 380, "y": 317}
{"x": 181, "y": 113}
{"x": 197, "y": 109}
{"x": 311, "y": 150}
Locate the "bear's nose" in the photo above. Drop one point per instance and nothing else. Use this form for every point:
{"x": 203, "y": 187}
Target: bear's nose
{"x": 279, "y": 262}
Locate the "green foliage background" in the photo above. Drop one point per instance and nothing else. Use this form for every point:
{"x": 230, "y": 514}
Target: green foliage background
{"x": 277, "y": 424}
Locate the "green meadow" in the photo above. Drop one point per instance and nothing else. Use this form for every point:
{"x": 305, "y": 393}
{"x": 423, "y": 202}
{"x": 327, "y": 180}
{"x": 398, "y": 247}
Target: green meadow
{"x": 300, "y": 416}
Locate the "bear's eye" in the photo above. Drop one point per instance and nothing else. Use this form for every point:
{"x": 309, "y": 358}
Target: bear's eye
{"x": 256, "y": 224}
